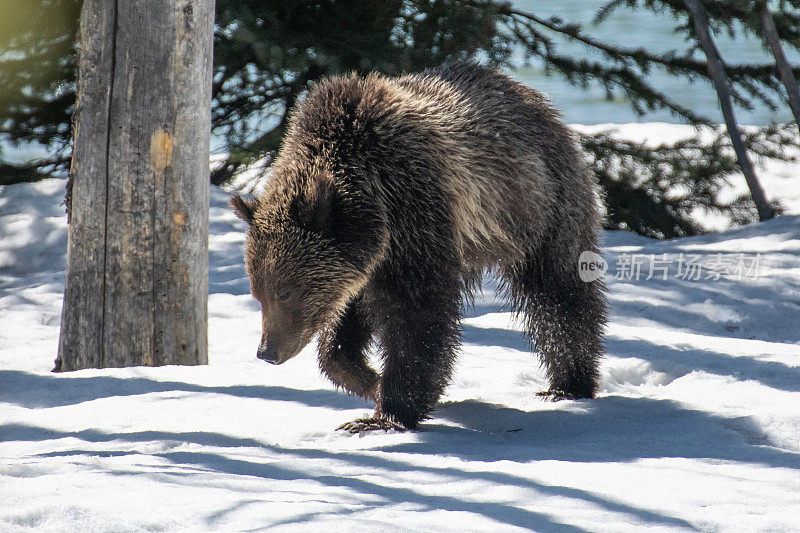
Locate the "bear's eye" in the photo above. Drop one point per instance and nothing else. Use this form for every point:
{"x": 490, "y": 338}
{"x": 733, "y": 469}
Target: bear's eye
{"x": 284, "y": 295}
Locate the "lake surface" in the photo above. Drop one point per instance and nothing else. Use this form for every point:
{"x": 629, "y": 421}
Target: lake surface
{"x": 634, "y": 29}
{"x": 628, "y": 28}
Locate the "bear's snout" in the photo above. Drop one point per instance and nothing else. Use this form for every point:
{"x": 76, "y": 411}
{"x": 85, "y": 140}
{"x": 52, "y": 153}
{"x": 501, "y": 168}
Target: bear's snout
{"x": 268, "y": 353}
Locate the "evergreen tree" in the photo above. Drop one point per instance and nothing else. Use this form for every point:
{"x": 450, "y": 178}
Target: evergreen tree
{"x": 267, "y": 51}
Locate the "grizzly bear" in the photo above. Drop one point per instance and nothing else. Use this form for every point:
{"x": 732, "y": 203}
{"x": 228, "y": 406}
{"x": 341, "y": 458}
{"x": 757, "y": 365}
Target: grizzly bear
{"x": 389, "y": 199}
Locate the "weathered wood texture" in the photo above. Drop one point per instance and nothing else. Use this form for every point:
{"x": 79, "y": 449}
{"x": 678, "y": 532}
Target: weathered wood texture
{"x": 719, "y": 78}
{"x": 137, "y": 266}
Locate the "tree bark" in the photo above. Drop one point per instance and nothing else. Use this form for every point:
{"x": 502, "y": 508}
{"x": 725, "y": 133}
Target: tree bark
{"x": 720, "y": 81}
{"x": 784, "y": 68}
{"x": 137, "y": 264}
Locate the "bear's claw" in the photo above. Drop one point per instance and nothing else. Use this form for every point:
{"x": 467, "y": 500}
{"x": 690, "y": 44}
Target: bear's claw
{"x": 370, "y": 424}
{"x": 556, "y": 395}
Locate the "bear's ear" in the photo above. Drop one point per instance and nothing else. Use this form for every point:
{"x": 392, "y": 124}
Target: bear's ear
{"x": 242, "y": 208}
{"x": 313, "y": 209}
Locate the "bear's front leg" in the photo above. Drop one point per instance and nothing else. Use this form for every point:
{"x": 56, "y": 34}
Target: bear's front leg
{"x": 343, "y": 357}
{"x": 419, "y": 345}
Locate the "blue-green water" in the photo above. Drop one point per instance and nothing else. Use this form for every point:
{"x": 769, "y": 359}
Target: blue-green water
{"x": 629, "y": 28}
{"x": 634, "y": 29}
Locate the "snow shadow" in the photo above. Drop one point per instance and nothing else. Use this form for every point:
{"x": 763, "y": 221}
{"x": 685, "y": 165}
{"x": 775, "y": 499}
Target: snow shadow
{"x": 747, "y": 308}
{"x": 39, "y": 255}
{"x": 42, "y": 391}
{"x": 500, "y": 512}
{"x": 677, "y": 362}
{"x": 492, "y": 337}
{"x": 606, "y": 429}
{"x": 207, "y": 461}
{"x": 226, "y": 247}
{"x": 719, "y": 308}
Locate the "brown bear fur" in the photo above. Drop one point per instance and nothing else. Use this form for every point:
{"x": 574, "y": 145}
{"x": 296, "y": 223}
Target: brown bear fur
{"x": 389, "y": 199}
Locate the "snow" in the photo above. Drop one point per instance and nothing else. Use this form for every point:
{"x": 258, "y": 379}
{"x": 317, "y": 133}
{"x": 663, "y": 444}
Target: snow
{"x": 696, "y": 427}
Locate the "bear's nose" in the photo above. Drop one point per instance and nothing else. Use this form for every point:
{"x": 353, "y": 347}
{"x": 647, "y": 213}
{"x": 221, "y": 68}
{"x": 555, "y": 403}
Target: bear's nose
{"x": 268, "y": 353}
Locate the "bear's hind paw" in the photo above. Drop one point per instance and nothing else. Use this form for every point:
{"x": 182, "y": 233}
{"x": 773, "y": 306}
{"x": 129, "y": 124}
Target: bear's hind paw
{"x": 370, "y": 424}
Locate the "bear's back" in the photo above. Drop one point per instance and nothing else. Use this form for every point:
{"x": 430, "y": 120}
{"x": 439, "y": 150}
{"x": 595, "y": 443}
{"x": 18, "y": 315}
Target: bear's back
{"x": 503, "y": 142}
{"x": 497, "y": 149}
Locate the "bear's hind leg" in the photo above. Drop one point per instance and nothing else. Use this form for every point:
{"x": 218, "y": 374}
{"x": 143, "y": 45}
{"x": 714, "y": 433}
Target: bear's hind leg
{"x": 564, "y": 317}
{"x": 342, "y": 353}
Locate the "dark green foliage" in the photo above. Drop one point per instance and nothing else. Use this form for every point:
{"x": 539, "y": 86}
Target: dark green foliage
{"x": 266, "y": 52}
{"x": 653, "y": 190}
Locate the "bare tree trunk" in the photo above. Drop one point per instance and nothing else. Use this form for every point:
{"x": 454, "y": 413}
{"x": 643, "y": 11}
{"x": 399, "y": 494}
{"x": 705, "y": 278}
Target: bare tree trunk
{"x": 784, "y": 68}
{"x": 137, "y": 266}
{"x": 720, "y": 80}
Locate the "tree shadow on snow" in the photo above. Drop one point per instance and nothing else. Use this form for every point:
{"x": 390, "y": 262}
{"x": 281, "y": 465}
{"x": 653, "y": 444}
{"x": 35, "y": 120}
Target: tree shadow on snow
{"x": 675, "y": 362}
{"x": 32, "y": 261}
{"x": 290, "y": 467}
{"x": 678, "y": 362}
{"x": 37, "y": 391}
{"x": 606, "y": 429}
{"x": 753, "y": 307}
{"x": 226, "y": 253}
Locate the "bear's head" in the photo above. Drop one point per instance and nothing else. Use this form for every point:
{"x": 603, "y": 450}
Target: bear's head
{"x": 308, "y": 252}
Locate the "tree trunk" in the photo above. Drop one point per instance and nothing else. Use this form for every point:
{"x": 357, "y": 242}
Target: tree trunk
{"x": 784, "y": 68}
{"x": 720, "y": 80}
{"x": 137, "y": 264}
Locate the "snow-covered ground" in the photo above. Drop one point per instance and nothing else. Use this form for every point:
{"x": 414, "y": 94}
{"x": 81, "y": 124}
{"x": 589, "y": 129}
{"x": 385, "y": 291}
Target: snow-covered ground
{"x": 697, "y": 425}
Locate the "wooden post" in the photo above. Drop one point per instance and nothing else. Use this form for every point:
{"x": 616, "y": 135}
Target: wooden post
{"x": 784, "y": 68}
{"x": 720, "y": 80}
{"x": 137, "y": 264}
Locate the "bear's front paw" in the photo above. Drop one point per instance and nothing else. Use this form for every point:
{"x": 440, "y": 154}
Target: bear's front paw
{"x": 556, "y": 395}
{"x": 370, "y": 424}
